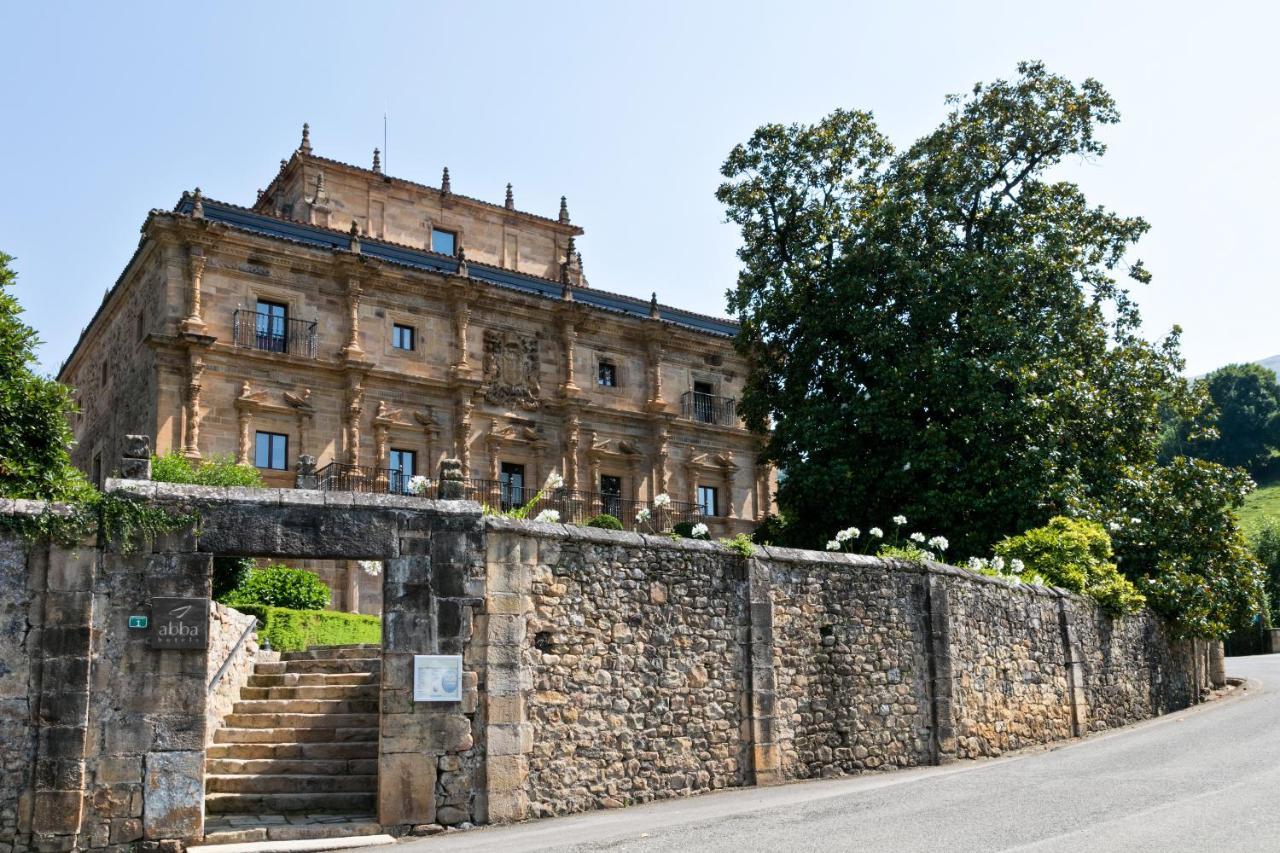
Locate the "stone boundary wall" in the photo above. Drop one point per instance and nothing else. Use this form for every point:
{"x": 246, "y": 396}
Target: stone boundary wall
{"x": 226, "y": 626}
{"x": 600, "y": 668}
{"x": 650, "y": 668}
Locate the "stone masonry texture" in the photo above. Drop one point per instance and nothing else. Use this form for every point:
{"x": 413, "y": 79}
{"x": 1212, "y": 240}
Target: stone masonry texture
{"x": 600, "y": 669}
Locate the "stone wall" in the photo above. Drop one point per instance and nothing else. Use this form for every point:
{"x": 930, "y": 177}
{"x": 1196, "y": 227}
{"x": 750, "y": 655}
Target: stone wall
{"x": 226, "y": 628}
{"x": 21, "y": 612}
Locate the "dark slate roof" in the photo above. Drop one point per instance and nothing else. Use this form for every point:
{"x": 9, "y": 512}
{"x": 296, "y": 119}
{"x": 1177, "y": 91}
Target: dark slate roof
{"x": 327, "y": 238}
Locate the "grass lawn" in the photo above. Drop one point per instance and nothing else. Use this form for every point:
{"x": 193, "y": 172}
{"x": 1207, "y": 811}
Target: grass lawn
{"x": 1261, "y": 505}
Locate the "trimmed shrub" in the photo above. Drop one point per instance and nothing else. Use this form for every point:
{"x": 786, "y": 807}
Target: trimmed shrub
{"x": 605, "y": 522}
{"x": 291, "y": 630}
{"x": 683, "y": 529}
{"x": 1074, "y": 554}
{"x": 173, "y": 467}
{"x": 229, "y": 573}
{"x": 281, "y": 586}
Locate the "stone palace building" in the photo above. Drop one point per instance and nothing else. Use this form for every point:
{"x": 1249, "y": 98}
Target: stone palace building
{"x": 372, "y": 326}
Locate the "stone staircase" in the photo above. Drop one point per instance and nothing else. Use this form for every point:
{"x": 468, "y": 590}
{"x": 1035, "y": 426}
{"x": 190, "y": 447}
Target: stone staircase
{"x": 297, "y": 758}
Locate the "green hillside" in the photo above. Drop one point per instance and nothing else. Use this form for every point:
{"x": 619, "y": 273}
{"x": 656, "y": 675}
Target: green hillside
{"x": 1262, "y": 505}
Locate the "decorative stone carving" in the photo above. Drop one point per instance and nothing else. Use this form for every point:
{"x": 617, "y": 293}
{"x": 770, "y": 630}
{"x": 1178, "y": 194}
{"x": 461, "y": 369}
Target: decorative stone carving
{"x": 511, "y": 369}
{"x": 191, "y": 443}
{"x": 355, "y": 403}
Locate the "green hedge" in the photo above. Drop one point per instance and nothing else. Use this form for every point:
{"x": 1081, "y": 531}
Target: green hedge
{"x": 295, "y": 630}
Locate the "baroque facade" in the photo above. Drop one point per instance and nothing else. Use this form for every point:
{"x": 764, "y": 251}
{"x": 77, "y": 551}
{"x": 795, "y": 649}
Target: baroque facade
{"x": 377, "y": 326}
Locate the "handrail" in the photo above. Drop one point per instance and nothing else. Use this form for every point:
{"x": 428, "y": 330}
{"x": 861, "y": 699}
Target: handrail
{"x": 222, "y": 670}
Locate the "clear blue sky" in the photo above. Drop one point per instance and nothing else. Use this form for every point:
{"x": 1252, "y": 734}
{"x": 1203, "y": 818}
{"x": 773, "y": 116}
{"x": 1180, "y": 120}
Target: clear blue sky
{"x": 110, "y": 110}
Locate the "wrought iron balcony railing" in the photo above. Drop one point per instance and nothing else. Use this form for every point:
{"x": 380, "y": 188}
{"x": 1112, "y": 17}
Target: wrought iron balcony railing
{"x": 341, "y": 477}
{"x": 273, "y": 333}
{"x": 708, "y": 408}
{"x": 574, "y": 507}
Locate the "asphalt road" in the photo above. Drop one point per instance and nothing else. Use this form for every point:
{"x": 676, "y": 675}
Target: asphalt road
{"x": 1204, "y": 779}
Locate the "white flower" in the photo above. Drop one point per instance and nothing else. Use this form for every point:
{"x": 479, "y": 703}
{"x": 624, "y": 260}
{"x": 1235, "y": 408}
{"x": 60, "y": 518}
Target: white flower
{"x": 418, "y": 485}
{"x": 847, "y": 534}
{"x": 876, "y": 532}
{"x": 642, "y": 515}
{"x": 554, "y": 481}
{"x": 371, "y": 567}
{"x": 699, "y": 531}
{"x": 1113, "y": 527}
{"x": 939, "y": 542}
{"x": 976, "y": 563}
{"x": 662, "y": 500}
{"x": 899, "y": 520}
{"x": 906, "y": 467}
{"x": 549, "y": 516}
{"x": 833, "y": 545}
{"x": 997, "y": 563}
{"x": 916, "y": 537}
{"x": 1017, "y": 566}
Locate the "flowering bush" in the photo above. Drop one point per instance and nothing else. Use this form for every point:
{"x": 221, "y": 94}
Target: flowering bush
{"x": 699, "y": 531}
{"x": 1073, "y": 554}
{"x": 661, "y": 501}
{"x": 549, "y": 516}
{"x": 917, "y": 547}
{"x": 418, "y": 485}
{"x": 553, "y": 482}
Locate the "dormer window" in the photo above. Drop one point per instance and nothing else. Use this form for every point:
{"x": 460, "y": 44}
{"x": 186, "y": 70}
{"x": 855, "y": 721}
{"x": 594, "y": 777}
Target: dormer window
{"x": 444, "y": 242}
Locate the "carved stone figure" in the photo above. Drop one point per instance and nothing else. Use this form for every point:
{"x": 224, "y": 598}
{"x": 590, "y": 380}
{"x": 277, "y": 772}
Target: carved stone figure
{"x": 511, "y": 370}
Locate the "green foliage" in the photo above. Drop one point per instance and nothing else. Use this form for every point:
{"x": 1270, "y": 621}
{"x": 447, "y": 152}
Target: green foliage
{"x": 770, "y": 531}
{"x": 173, "y": 467}
{"x": 904, "y": 551}
{"x": 1266, "y": 547}
{"x": 682, "y": 530}
{"x": 740, "y": 544}
{"x": 121, "y": 521}
{"x": 35, "y": 433}
{"x": 1076, "y": 555}
{"x": 605, "y": 522}
{"x": 281, "y": 586}
{"x": 1261, "y": 507}
{"x": 229, "y": 573}
{"x": 291, "y": 630}
{"x": 941, "y": 332}
{"x": 1247, "y": 429}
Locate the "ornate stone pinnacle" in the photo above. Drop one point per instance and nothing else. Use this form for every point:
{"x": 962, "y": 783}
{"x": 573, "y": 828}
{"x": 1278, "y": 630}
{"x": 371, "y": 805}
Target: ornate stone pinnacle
{"x": 444, "y": 182}
{"x": 464, "y": 268}
{"x": 564, "y": 210}
{"x": 355, "y": 236}
{"x": 197, "y": 205}
{"x": 511, "y": 200}
{"x": 377, "y": 160}
{"x": 653, "y": 307}
{"x": 305, "y": 146}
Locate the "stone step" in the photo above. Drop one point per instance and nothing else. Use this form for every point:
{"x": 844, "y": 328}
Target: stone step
{"x": 330, "y": 666}
{"x": 321, "y": 751}
{"x": 319, "y": 691}
{"x": 333, "y": 653}
{"x": 328, "y": 734}
{"x": 306, "y": 706}
{"x": 344, "y": 802}
{"x": 301, "y": 721}
{"x": 312, "y": 679}
{"x": 291, "y": 766}
{"x": 291, "y": 783}
{"x": 294, "y": 838}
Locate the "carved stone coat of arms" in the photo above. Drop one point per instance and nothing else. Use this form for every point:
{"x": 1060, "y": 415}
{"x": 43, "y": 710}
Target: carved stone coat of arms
{"x": 511, "y": 370}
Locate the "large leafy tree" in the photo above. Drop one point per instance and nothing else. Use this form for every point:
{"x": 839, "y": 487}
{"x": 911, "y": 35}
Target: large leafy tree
{"x": 34, "y": 431}
{"x": 1247, "y": 398}
{"x": 941, "y": 332}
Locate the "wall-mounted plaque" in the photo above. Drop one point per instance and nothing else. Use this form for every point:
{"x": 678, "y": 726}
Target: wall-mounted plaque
{"x": 437, "y": 678}
{"x": 179, "y": 623}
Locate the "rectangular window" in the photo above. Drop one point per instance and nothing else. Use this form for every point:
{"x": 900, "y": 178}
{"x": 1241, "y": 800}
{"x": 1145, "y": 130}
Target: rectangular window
{"x": 611, "y": 495}
{"x": 444, "y": 242}
{"x": 271, "y": 326}
{"x": 704, "y": 408}
{"x": 272, "y": 451}
{"x": 708, "y": 500}
{"x": 402, "y": 337}
{"x": 511, "y": 485}
{"x": 404, "y": 465}
{"x": 607, "y": 375}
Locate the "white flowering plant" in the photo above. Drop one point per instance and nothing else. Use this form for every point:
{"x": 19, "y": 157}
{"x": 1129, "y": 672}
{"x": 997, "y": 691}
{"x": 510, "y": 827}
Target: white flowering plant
{"x": 917, "y": 546}
{"x": 553, "y": 483}
{"x": 548, "y": 516}
{"x": 699, "y": 531}
{"x": 418, "y": 485}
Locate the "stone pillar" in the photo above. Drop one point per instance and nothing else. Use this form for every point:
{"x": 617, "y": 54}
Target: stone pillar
{"x": 355, "y": 404}
{"x": 352, "y": 599}
{"x": 354, "y": 291}
{"x": 766, "y": 756}
{"x": 569, "y": 337}
{"x": 1073, "y": 660}
{"x": 937, "y": 614}
{"x": 194, "y": 324}
{"x": 660, "y": 460}
{"x": 461, "y": 321}
{"x": 243, "y": 444}
{"x": 571, "y": 454}
{"x": 306, "y": 478}
{"x": 135, "y": 462}
{"x": 451, "y": 480}
{"x": 1217, "y": 664}
{"x": 426, "y": 610}
{"x": 462, "y": 436}
{"x": 191, "y": 438}
{"x": 510, "y": 560}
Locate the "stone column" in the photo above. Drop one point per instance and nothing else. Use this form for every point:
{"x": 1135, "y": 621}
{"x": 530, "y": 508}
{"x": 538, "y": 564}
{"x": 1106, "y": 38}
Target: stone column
{"x": 726, "y": 487}
{"x": 243, "y": 445}
{"x": 194, "y": 324}
{"x": 191, "y": 438}
{"x": 462, "y": 436}
{"x": 354, "y": 291}
{"x": 660, "y": 459}
{"x": 571, "y": 454}
{"x": 569, "y": 337}
{"x": 461, "y": 321}
{"x": 766, "y": 756}
{"x": 1073, "y": 661}
{"x": 937, "y": 615}
{"x": 355, "y": 404}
